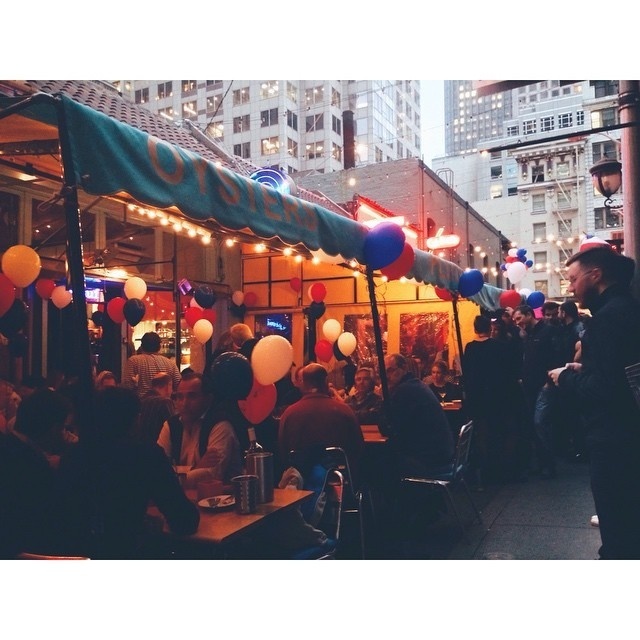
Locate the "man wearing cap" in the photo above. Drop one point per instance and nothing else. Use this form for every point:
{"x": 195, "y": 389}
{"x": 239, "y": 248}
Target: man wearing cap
{"x": 600, "y": 280}
{"x": 142, "y": 367}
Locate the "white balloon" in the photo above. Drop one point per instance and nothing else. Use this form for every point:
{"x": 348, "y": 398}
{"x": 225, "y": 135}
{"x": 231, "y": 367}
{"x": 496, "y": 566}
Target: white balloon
{"x": 61, "y": 297}
{"x": 524, "y": 292}
{"x": 237, "y": 298}
{"x": 331, "y": 329}
{"x": 135, "y": 288}
{"x": 513, "y": 253}
{"x": 202, "y": 330}
{"x": 516, "y": 271}
{"x": 271, "y": 359}
{"x": 347, "y": 343}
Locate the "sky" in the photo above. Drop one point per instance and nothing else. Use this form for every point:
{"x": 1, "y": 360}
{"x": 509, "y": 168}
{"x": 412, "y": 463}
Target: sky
{"x": 432, "y": 119}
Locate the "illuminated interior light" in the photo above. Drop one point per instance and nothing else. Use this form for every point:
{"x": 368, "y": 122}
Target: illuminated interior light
{"x": 206, "y": 239}
{"x": 299, "y": 258}
{"x": 287, "y": 251}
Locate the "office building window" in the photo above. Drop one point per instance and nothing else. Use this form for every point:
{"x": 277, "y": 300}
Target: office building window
{"x": 542, "y": 286}
{"x": 565, "y": 227}
{"x": 336, "y": 98}
{"x": 606, "y": 218}
{"x": 537, "y": 173}
{"x": 529, "y": 126}
{"x": 167, "y": 113}
{"x": 336, "y": 152}
{"x": 538, "y": 203}
{"x": 562, "y": 170}
{"x": 241, "y": 96}
{"x": 241, "y": 123}
{"x": 269, "y": 89}
{"x": 269, "y": 117}
{"x": 496, "y": 172}
{"x": 242, "y": 150}
{"x": 512, "y": 191}
{"x": 580, "y": 118}
{"x": 189, "y": 85}
{"x": 604, "y": 88}
{"x": 189, "y": 110}
{"x": 601, "y": 150}
{"x": 212, "y": 103}
{"x": 565, "y": 120}
{"x": 539, "y": 260}
{"x": 292, "y": 120}
{"x": 215, "y": 130}
{"x": 142, "y": 96}
{"x": 495, "y": 191}
{"x": 546, "y": 123}
{"x": 315, "y": 123}
{"x": 513, "y": 130}
{"x": 315, "y": 150}
{"x": 165, "y": 90}
{"x": 540, "y": 232}
{"x": 292, "y": 148}
{"x": 336, "y": 125}
{"x": 213, "y": 84}
{"x": 270, "y": 146}
{"x": 564, "y": 200}
{"x": 292, "y": 92}
{"x": 314, "y": 95}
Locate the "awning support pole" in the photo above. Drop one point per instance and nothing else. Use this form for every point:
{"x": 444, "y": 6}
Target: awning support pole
{"x": 456, "y": 320}
{"x": 378, "y": 334}
{"x": 80, "y": 345}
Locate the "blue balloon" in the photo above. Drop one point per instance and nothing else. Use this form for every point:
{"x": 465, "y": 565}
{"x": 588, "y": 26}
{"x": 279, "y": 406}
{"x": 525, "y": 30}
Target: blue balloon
{"x": 535, "y": 299}
{"x": 470, "y": 283}
{"x": 383, "y": 245}
{"x": 521, "y": 253}
{"x": 205, "y": 296}
{"x": 529, "y": 263}
{"x": 133, "y": 311}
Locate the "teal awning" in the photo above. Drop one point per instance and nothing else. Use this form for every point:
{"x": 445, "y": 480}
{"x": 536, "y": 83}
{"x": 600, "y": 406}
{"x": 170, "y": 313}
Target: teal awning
{"x": 111, "y": 158}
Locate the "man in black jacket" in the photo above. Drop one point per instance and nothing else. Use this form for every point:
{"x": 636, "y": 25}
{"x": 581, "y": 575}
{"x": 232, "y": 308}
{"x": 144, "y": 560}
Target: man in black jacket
{"x": 600, "y": 278}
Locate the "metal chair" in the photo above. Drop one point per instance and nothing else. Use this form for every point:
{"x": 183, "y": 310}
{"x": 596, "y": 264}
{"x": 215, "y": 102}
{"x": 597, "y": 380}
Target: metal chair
{"x": 353, "y": 497}
{"x": 329, "y": 521}
{"x": 452, "y": 476}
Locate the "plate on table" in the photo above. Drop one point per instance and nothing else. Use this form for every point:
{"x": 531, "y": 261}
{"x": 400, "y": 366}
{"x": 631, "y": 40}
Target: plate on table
{"x": 217, "y": 502}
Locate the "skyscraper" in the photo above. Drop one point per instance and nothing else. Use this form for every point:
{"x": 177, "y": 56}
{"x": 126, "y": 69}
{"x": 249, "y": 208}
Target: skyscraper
{"x": 294, "y": 125}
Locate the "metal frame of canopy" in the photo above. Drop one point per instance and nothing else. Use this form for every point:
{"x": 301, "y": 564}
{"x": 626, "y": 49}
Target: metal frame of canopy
{"x": 106, "y": 157}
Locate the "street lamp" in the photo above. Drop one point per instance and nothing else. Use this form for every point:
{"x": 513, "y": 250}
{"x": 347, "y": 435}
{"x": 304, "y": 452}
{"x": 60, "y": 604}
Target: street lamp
{"x": 606, "y": 175}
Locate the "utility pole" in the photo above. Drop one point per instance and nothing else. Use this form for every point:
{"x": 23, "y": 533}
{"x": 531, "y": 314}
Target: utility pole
{"x": 629, "y": 108}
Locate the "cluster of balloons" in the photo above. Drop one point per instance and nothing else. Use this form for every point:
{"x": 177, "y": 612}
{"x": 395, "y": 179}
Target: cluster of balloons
{"x": 241, "y": 301}
{"x": 251, "y": 381}
{"x": 513, "y": 298}
{"x": 386, "y": 248}
{"x": 129, "y": 307}
{"x": 516, "y": 265}
{"x": 336, "y": 343}
{"x": 20, "y": 267}
{"x": 316, "y": 293}
{"x": 200, "y": 315}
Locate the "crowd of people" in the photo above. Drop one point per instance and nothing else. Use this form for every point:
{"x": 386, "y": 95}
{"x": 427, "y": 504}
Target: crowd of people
{"x": 538, "y": 384}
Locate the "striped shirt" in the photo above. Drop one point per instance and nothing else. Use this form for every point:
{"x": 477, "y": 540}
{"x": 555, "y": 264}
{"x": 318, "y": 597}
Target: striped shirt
{"x": 141, "y": 368}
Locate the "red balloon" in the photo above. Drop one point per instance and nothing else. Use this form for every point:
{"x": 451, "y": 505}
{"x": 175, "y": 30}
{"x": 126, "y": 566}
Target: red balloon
{"x": 7, "y": 294}
{"x": 323, "y": 350}
{"x": 401, "y": 266}
{"x": 210, "y": 315}
{"x": 250, "y": 299}
{"x": 260, "y": 402}
{"x": 510, "y": 298}
{"x": 317, "y": 291}
{"x": 115, "y": 309}
{"x": 443, "y": 294}
{"x": 192, "y": 315}
{"x": 296, "y": 284}
{"x": 45, "y": 287}
{"x": 511, "y": 259}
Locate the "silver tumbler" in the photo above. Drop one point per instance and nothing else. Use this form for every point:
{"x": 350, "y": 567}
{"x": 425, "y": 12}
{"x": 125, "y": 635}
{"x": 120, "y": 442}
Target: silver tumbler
{"x": 261, "y": 464}
{"x": 245, "y": 491}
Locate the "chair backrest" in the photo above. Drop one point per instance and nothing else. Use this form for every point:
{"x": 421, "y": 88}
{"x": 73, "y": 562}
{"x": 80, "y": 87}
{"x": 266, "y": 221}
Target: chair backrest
{"x": 332, "y": 512}
{"x": 463, "y": 447}
{"x": 336, "y": 457}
